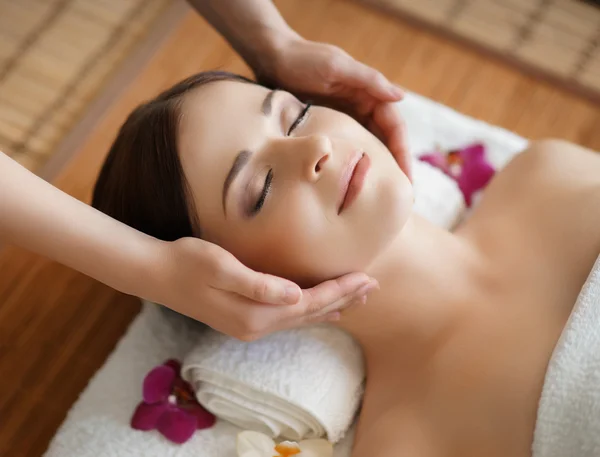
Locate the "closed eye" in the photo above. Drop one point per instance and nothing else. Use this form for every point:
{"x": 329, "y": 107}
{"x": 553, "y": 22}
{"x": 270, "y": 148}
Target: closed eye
{"x": 269, "y": 178}
{"x": 301, "y": 117}
{"x": 263, "y": 196}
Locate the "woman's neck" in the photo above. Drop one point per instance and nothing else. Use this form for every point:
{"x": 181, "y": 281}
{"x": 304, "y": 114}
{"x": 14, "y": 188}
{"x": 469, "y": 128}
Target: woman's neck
{"x": 429, "y": 278}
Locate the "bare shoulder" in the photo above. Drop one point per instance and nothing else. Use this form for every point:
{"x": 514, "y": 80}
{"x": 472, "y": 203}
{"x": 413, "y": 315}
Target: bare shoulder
{"x": 560, "y": 160}
{"x": 558, "y": 184}
{"x": 552, "y": 183}
{"x": 548, "y": 168}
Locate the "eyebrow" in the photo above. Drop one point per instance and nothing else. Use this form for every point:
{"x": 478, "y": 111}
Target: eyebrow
{"x": 240, "y": 161}
{"x": 267, "y": 103}
{"x": 243, "y": 157}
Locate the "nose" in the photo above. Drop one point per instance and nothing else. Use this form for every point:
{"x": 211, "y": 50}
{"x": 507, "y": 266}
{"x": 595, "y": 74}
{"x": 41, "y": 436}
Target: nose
{"x": 316, "y": 151}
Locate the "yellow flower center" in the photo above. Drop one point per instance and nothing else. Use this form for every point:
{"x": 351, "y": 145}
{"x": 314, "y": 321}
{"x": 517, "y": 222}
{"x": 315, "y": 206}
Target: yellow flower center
{"x": 182, "y": 396}
{"x": 286, "y": 450}
{"x": 454, "y": 158}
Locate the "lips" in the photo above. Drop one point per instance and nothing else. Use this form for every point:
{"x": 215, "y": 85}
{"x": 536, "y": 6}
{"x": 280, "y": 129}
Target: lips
{"x": 353, "y": 179}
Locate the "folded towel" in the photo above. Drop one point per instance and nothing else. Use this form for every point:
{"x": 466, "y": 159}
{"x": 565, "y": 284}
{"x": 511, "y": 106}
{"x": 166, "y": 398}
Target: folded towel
{"x": 297, "y": 384}
{"x": 437, "y": 197}
{"x": 568, "y": 419}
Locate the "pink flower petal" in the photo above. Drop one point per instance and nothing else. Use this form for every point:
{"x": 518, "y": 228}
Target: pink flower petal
{"x": 437, "y": 160}
{"x": 175, "y": 364}
{"x": 472, "y": 152}
{"x": 158, "y": 384}
{"x": 177, "y": 425}
{"x": 204, "y": 418}
{"x": 146, "y": 416}
{"x": 473, "y": 180}
{"x": 474, "y": 172}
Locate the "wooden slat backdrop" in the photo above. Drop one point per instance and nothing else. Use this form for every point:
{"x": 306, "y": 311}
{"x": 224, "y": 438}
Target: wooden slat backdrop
{"x": 55, "y": 57}
{"x": 57, "y": 326}
{"x": 556, "y": 38}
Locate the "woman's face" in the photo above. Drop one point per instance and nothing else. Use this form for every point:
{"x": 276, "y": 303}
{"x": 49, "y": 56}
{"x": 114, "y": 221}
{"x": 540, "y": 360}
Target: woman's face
{"x": 304, "y": 194}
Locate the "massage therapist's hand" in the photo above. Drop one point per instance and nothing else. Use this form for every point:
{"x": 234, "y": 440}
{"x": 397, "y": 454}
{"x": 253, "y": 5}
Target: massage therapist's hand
{"x": 329, "y": 75}
{"x": 281, "y": 58}
{"x": 205, "y": 282}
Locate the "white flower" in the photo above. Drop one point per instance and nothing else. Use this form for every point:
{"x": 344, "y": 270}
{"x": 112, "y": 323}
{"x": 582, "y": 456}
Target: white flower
{"x": 255, "y": 444}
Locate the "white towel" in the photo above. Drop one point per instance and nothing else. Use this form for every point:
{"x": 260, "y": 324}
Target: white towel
{"x": 98, "y": 423}
{"x": 297, "y": 384}
{"x": 429, "y": 184}
{"x": 568, "y": 418}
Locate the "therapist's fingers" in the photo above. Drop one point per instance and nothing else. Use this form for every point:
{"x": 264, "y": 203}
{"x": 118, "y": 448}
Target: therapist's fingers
{"x": 388, "y": 124}
{"x": 250, "y": 320}
{"x": 233, "y": 276}
{"x": 333, "y": 295}
{"x": 349, "y": 72}
{"x": 332, "y": 317}
{"x": 333, "y": 312}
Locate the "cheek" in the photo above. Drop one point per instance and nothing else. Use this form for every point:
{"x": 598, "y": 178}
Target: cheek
{"x": 394, "y": 205}
{"x": 294, "y": 239}
{"x": 297, "y": 240}
{"x": 382, "y": 214}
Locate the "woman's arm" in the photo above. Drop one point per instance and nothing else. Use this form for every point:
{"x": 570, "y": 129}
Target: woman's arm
{"x": 191, "y": 276}
{"x": 254, "y": 28}
{"x": 38, "y": 216}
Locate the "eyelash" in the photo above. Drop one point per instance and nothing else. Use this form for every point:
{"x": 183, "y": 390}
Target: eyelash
{"x": 301, "y": 117}
{"x": 269, "y": 179}
{"x": 265, "y": 192}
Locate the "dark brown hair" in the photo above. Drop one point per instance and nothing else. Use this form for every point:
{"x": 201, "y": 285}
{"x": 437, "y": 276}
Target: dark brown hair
{"x": 141, "y": 182}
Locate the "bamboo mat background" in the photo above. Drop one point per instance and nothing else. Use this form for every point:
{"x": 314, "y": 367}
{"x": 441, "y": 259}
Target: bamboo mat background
{"x": 559, "y": 39}
{"x": 55, "y": 58}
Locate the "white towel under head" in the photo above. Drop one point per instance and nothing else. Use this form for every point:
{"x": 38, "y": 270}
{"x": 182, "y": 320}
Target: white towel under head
{"x": 297, "y": 384}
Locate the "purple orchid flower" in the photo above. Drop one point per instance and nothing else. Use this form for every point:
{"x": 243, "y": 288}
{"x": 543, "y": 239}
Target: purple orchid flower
{"x": 169, "y": 405}
{"x": 467, "y": 166}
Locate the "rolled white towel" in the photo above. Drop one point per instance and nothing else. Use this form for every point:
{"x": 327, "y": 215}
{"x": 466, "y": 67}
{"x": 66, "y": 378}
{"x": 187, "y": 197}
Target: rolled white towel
{"x": 298, "y": 384}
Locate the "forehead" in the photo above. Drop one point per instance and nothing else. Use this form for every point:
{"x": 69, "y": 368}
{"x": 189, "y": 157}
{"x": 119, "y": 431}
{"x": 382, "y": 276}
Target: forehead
{"x": 216, "y": 122}
{"x": 220, "y": 104}
{"x": 220, "y": 117}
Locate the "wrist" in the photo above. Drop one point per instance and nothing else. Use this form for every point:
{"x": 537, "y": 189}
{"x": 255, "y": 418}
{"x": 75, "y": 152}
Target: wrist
{"x": 149, "y": 270}
{"x": 270, "y": 49}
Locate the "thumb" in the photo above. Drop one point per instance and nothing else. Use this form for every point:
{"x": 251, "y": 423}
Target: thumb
{"x": 236, "y": 278}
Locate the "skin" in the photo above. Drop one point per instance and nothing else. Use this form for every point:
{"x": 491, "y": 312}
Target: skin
{"x": 307, "y": 166}
{"x": 189, "y": 275}
{"x": 280, "y": 57}
{"x": 458, "y": 337}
